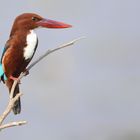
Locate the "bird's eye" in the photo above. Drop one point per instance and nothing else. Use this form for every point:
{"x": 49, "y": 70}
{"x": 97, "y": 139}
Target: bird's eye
{"x": 34, "y": 19}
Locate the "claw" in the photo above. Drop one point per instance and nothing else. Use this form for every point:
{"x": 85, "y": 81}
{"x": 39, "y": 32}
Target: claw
{"x": 26, "y": 72}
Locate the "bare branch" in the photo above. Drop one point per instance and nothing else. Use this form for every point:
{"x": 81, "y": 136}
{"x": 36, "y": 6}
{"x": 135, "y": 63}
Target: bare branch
{"x": 9, "y": 108}
{"x": 12, "y": 99}
{"x": 7, "y": 111}
{"x": 12, "y": 124}
{"x": 53, "y": 50}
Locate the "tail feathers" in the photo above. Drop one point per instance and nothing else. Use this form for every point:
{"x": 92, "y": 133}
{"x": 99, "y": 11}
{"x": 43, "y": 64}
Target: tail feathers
{"x": 17, "y": 105}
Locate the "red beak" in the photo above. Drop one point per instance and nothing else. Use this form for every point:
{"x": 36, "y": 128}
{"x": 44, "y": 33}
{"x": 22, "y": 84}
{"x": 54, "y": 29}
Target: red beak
{"x": 47, "y": 23}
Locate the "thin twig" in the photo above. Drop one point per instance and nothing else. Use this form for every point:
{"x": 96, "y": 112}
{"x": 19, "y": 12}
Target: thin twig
{"x": 12, "y": 124}
{"x": 12, "y": 99}
{"x": 9, "y": 107}
{"x": 7, "y": 111}
{"x": 53, "y": 50}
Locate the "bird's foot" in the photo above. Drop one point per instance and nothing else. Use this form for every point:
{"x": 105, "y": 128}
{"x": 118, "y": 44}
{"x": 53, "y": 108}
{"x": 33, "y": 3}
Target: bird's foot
{"x": 26, "y": 72}
{"x": 14, "y": 79}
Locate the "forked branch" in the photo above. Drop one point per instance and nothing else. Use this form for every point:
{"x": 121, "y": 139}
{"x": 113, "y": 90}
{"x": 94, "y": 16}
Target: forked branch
{"x": 12, "y": 99}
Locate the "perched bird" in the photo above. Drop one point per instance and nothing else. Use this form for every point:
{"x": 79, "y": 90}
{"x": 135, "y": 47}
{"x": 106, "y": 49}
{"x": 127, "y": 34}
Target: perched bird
{"x": 21, "y": 47}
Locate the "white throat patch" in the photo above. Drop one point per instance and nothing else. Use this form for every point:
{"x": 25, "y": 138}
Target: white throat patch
{"x": 31, "y": 44}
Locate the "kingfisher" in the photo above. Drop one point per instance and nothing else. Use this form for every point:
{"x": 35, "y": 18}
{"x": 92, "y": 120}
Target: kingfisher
{"x": 21, "y": 47}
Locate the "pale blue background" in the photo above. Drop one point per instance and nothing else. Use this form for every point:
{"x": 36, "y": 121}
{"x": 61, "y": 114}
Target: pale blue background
{"x": 87, "y": 92}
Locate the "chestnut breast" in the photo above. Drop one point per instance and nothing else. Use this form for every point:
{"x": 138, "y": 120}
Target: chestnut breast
{"x": 19, "y": 53}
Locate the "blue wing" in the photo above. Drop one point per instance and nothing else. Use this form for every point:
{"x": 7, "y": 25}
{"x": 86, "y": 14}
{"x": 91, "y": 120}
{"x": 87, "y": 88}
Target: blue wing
{"x": 2, "y": 75}
{"x": 1, "y": 70}
{"x": 4, "y": 50}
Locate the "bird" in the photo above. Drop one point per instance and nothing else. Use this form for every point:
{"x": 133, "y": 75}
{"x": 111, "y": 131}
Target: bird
{"x": 21, "y": 47}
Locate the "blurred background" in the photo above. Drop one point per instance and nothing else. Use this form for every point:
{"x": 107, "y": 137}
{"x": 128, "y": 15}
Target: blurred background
{"x": 90, "y": 91}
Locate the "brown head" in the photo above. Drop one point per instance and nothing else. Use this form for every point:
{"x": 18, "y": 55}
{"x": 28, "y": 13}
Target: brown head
{"x": 29, "y": 21}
